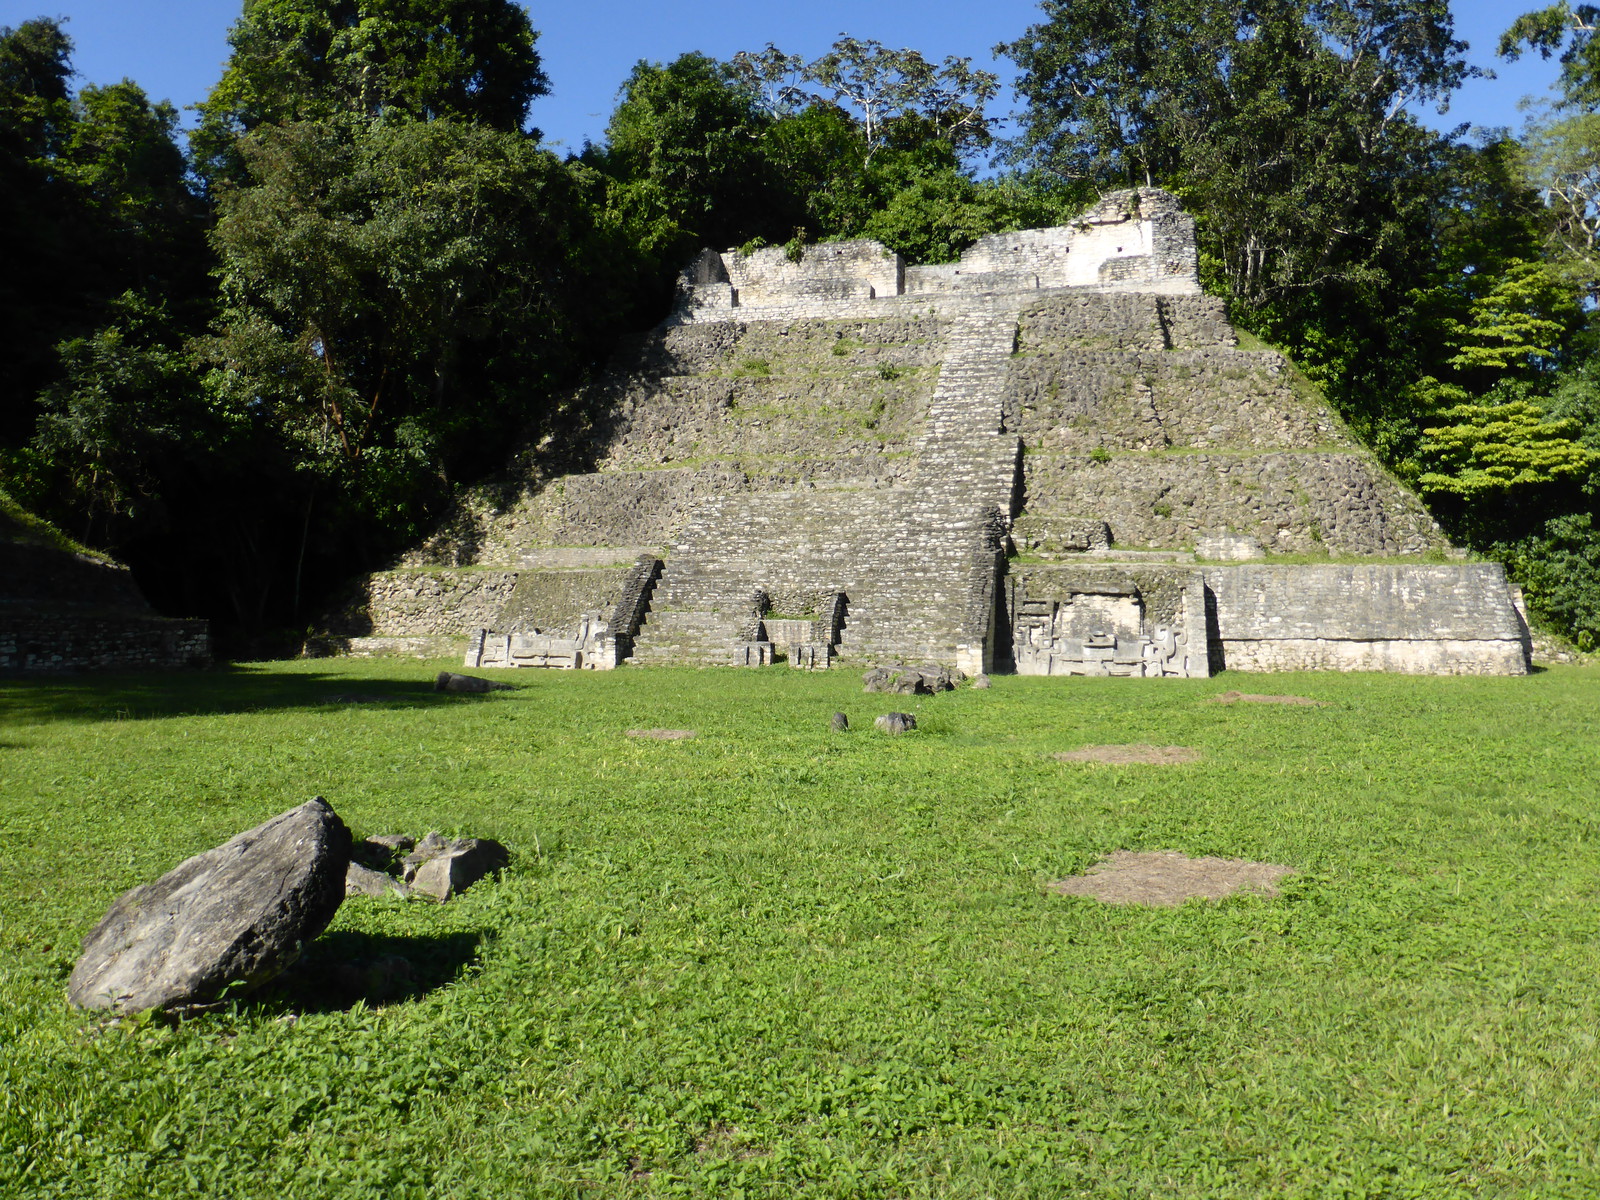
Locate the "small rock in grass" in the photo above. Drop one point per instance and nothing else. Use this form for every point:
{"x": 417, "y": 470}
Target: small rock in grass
{"x": 981, "y": 682}
{"x": 449, "y": 681}
{"x": 232, "y": 917}
{"x": 364, "y": 881}
{"x": 896, "y": 722}
{"x": 458, "y": 867}
{"x": 840, "y": 722}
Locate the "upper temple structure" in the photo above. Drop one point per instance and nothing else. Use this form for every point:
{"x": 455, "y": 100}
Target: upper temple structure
{"x": 1051, "y": 457}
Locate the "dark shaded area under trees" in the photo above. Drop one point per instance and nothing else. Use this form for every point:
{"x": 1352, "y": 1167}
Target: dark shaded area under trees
{"x": 255, "y": 368}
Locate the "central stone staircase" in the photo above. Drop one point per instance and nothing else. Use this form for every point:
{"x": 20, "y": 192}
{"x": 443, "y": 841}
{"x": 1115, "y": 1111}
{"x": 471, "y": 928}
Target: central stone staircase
{"x": 910, "y": 559}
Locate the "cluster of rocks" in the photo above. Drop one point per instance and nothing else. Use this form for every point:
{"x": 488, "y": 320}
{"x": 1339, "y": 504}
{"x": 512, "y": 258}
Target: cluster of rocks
{"x": 911, "y": 681}
{"x": 226, "y": 921}
{"x": 436, "y": 867}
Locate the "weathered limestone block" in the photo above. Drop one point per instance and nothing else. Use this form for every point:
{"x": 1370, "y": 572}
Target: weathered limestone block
{"x": 896, "y": 722}
{"x": 221, "y": 922}
{"x": 457, "y": 867}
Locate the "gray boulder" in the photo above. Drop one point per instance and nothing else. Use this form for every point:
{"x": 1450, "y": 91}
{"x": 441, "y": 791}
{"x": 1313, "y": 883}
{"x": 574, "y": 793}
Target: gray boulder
{"x": 896, "y": 722}
{"x": 228, "y": 919}
{"x": 981, "y": 682}
{"x": 840, "y": 722}
{"x": 449, "y": 681}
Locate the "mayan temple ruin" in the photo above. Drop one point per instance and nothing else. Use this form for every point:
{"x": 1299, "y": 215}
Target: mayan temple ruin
{"x": 1050, "y": 458}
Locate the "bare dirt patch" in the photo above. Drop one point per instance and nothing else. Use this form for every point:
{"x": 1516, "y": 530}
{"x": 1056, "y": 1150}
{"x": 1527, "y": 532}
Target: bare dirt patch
{"x": 1165, "y": 878}
{"x": 663, "y": 735}
{"x": 1254, "y": 698}
{"x": 1133, "y": 753}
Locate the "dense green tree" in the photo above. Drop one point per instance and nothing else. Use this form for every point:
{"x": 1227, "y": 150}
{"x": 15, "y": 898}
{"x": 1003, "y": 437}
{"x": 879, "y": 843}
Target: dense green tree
{"x": 95, "y": 203}
{"x": 311, "y": 60}
{"x": 404, "y": 273}
{"x": 1568, "y": 30}
{"x": 1284, "y": 123}
{"x": 684, "y": 149}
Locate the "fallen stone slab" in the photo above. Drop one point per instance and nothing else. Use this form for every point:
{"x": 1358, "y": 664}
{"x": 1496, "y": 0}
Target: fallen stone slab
{"x": 1253, "y": 698}
{"x": 1163, "y": 878}
{"x": 663, "y": 735}
{"x": 1133, "y": 753}
{"x": 896, "y": 722}
{"x": 449, "y": 681}
{"x": 364, "y": 881}
{"x": 223, "y": 921}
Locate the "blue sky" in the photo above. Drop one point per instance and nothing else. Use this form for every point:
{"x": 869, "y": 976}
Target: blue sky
{"x": 175, "y": 48}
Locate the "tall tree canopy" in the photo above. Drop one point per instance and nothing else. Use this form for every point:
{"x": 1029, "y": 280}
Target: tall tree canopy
{"x": 300, "y": 60}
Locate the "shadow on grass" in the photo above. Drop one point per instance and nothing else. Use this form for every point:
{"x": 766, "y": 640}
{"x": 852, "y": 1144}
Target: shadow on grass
{"x": 340, "y": 970}
{"x": 141, "y": 696}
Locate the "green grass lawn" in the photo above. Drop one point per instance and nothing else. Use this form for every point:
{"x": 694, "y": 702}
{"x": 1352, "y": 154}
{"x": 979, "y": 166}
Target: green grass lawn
{"x": 775, "y": 960}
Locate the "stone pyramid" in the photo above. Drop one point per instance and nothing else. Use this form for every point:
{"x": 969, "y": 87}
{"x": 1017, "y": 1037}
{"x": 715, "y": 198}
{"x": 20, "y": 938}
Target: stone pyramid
{"x": 1052, "y": 457}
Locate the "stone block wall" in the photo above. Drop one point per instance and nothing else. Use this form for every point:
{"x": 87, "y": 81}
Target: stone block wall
{"x": 1413, "y": 618}
{"x": 1409, "y": 617}
{"x": 85, "y": 641}
{"x": 832, "y": 270}
{"x": 1340, "y": 504}
{"x": 1130, "y": 241}
{"x": 438, "y": 603}
{"x": 1084, "y": 320}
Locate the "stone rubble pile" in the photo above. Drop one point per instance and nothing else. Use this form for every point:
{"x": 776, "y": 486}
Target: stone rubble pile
{"x": 436, "y": 867}
{"x": 911, "y": 681}
{"x": 224, "y": 922}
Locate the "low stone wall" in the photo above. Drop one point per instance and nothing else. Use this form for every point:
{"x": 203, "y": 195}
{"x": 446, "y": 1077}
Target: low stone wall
{"x": 422, "y": 604}
{"x": 1446, "y": 656}
{"x": 1416, "y": 618}
{"x": 83, "y": 641}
